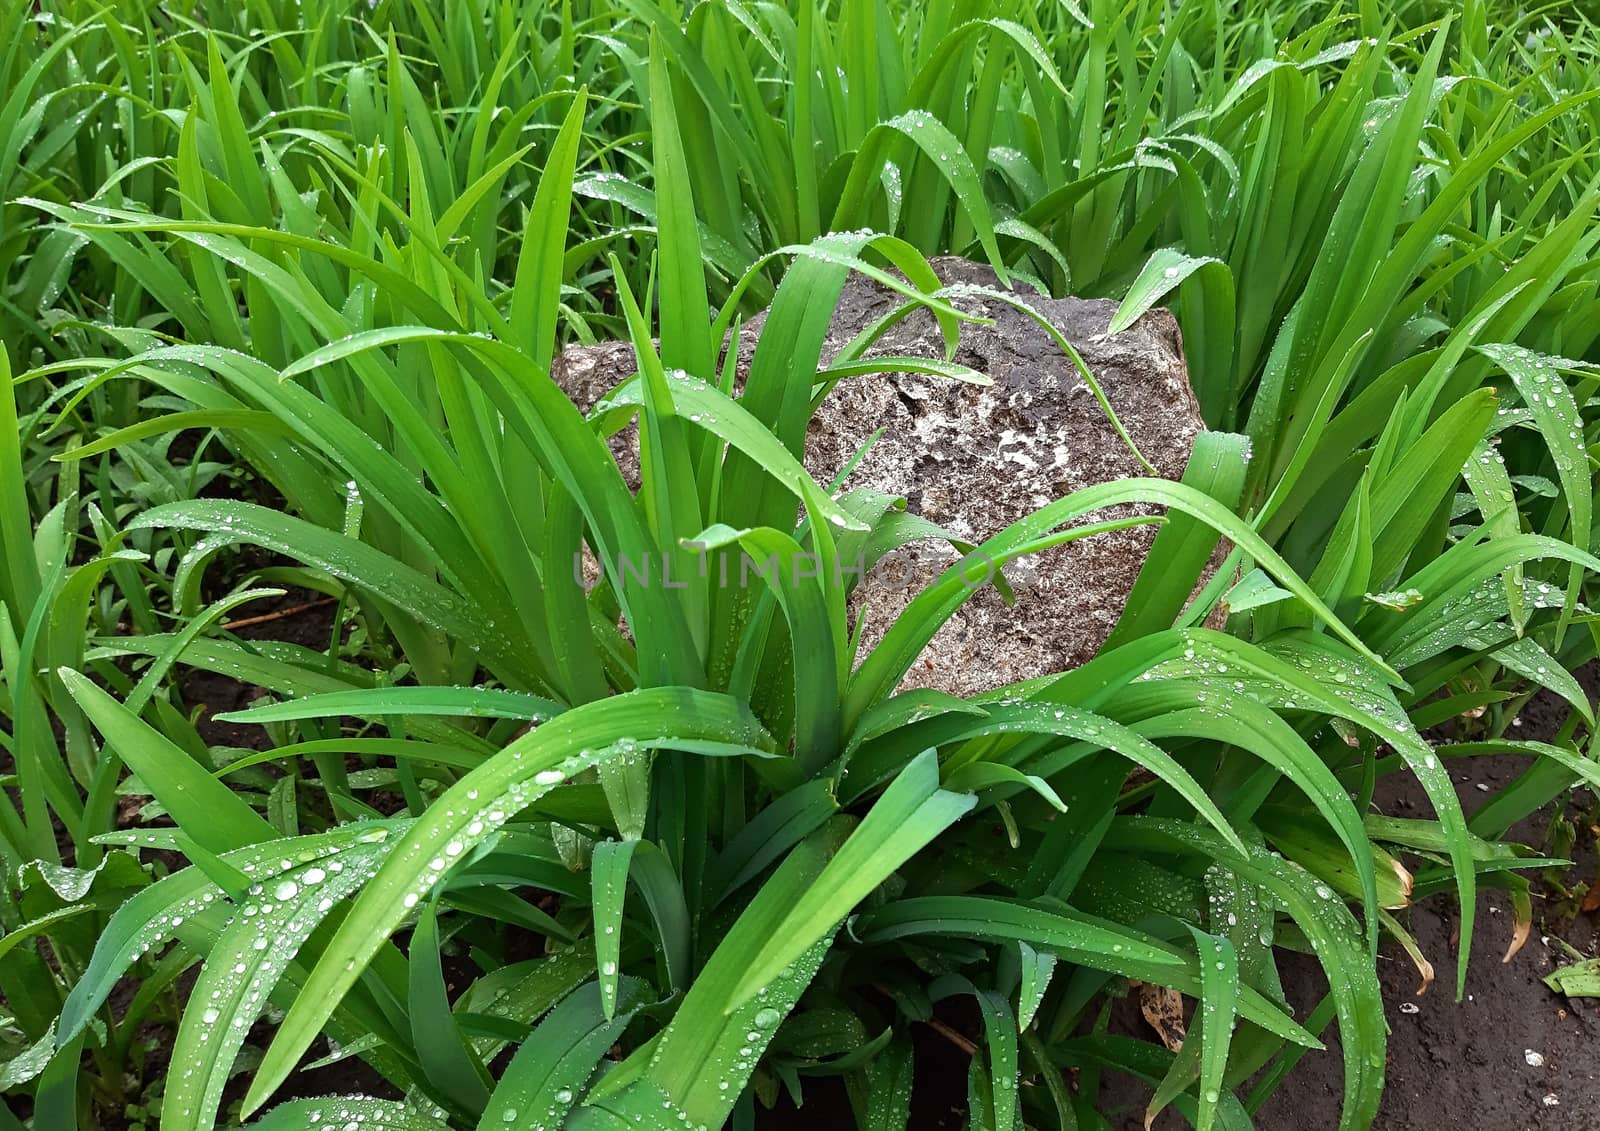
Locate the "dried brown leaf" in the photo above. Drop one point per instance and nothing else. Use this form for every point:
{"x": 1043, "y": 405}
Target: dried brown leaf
{"x": 1163, "y": 1009}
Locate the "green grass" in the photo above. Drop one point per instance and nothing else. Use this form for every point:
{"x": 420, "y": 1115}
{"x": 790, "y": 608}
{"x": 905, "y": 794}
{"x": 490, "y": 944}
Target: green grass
{"x": 282, "y": 287}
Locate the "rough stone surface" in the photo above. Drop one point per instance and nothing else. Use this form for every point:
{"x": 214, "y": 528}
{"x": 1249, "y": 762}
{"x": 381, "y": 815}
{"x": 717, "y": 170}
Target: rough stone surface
{"x": 975, "y": 459}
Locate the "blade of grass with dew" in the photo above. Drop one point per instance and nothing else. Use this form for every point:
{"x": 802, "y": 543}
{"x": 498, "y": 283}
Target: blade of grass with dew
{"x": 680, "y": 718}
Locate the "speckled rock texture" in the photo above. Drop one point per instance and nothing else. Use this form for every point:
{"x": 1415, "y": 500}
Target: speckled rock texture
{"x": 975, "y": 459}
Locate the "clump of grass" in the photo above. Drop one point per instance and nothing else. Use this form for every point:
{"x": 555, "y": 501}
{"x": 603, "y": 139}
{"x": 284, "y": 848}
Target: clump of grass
{"x": 345, "y": 252}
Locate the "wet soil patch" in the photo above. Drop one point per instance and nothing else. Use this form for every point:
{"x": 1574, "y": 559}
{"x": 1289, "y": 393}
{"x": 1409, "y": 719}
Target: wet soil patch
{"x": 298, "y": 617}
{"x": 1512, "y": 1055}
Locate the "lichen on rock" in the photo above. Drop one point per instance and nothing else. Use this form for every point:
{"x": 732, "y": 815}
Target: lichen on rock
{"x": 974, "y": 459}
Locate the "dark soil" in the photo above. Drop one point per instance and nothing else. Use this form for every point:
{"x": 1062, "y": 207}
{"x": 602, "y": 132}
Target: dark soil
{"x": 1461, "y": 1066}
{"x": 298, "y": 617}
{"x": 1467, "y": 1065}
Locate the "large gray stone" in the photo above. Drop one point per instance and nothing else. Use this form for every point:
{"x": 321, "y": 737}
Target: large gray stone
{"x": 975, "y": 459}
